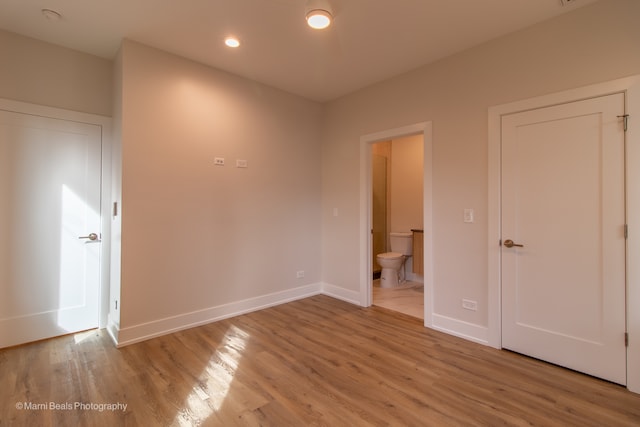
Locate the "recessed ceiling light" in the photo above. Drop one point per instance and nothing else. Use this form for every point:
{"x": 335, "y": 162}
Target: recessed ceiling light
{"x": 318, "y": 19}
{"x": 318, "y": 14}
{"x": 232, "y": 42}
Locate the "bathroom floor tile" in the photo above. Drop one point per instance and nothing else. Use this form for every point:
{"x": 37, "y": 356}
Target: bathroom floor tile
{"x": 407, "y": 298}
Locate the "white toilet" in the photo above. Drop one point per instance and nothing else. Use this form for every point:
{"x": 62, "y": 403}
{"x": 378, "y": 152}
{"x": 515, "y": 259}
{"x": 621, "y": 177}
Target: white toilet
{"x": 392, "y": 262}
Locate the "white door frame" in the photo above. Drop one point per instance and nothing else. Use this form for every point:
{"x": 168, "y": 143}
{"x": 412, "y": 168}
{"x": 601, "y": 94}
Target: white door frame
{"x": 631, "y": 87}
{"x": 366, "y": 267}
{"x": 105, "y": 125}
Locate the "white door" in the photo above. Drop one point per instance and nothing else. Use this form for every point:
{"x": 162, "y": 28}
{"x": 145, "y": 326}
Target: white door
{"x": 50, "y": 173}
{"x": 563, "y": 200}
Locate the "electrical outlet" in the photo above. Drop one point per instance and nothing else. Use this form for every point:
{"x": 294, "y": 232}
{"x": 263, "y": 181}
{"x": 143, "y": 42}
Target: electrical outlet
{"x": 300, "y": 274}
{"x": 218, "y": 161}
{"x": 467, "y": 304}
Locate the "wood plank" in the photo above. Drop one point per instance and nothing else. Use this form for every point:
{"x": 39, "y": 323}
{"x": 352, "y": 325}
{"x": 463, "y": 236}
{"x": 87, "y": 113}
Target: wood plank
{"x": 318, "y": 361}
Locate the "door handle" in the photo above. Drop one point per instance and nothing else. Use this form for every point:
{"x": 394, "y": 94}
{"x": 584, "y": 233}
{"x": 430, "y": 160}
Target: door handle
{"x": 92, "y": 236}
{"x": 509, "y": 244}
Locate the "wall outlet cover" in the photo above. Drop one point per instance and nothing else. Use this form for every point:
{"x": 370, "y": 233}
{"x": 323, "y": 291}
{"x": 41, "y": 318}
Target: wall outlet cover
{"x": 469, "y": 305}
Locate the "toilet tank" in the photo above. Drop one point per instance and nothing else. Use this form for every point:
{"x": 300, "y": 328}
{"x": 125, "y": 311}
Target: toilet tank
{"x": 402, "y": 242}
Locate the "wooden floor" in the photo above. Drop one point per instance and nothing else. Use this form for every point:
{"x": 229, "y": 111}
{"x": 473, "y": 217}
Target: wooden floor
{"x": 317, "y": 361}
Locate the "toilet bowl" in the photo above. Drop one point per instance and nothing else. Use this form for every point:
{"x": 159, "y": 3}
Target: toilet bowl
{"x": 392, "y": 263}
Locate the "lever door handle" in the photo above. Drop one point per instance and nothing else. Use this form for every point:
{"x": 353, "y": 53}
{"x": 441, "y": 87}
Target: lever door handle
{"x": 92, "y": 236}
{"x": 509, "y": 244}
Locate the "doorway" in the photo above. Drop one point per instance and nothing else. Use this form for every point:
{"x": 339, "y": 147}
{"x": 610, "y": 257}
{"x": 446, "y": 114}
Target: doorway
{"x": 51, "y": 255}
{"x": 397, "y": 180}
{"x": 366, "y": 193}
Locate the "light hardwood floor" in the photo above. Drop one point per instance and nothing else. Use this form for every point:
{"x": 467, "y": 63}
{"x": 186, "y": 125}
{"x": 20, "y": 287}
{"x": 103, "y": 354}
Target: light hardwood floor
{"x": 317, "y": 361}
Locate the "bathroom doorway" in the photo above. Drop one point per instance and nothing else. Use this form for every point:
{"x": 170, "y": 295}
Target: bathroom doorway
{"x": 366, "y": 192}
{"x": 397, "y": 193}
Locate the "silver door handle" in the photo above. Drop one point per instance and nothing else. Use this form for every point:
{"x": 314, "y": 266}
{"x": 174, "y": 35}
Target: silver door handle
{"x": 509, "y": 244}
{"x": 92, "y": 236}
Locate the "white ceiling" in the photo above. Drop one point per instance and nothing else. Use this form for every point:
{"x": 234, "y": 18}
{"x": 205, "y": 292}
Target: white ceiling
{"x": 369, "y": 41}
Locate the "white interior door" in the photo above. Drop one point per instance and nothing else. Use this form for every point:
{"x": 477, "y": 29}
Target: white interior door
{"x": 50, "y": 173}
{"x": 563, "y": 200}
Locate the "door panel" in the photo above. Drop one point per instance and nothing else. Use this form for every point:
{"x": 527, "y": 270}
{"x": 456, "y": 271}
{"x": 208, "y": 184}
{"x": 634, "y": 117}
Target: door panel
{"x": 563, "y": 292}
{"x": 50, "y": 190}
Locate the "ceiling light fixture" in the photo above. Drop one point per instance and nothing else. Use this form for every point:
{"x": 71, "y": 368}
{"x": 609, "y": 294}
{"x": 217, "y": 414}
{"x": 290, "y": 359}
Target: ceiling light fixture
{"x": 319, "y": 14}
{"x": 232, "y": 42}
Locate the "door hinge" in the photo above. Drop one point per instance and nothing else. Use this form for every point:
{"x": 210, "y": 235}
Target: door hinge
{"x": 625, "y": 121}
{"x": 626, "y": 339}
{"x": 626, "y": 231}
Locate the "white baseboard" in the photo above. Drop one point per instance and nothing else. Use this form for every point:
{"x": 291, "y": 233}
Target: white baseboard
{"x": 145, "y": 331}
{"x": 113, "y": 328}
{"x": 458, "y": 328}
{"x": 133, "y": 334}
{"x": 343, "y": 294}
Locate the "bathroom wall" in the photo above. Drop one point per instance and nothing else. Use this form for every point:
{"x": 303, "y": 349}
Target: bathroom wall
{"x": 406, "y": 183}
{"x": 381, "y": 202}
{"x": 406, "y": 190}
{"x": 201, "y": 241}
{"x": 45, "y": 74}
{"x": 595, "y": 43}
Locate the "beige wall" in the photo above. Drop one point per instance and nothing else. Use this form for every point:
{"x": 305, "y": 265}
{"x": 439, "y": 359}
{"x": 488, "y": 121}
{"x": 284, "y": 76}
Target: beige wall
{"x": 406, "y": 183}
{"x": 196, "y": 236}
{"x": 592, "y": 44}
{"x": 41, "y": 73}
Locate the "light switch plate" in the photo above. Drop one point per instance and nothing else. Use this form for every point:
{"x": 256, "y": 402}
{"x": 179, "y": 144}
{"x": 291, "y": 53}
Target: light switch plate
{"x": 468, "y": 215}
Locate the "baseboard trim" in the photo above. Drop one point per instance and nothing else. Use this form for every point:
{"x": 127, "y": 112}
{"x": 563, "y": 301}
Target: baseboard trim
{"x": 112, "y": 329}
{"x": 343, "y": 294}
{"x": 145, "y": 331}
{"x": 133, "y": 334}
{"x": 461, "y": 329}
